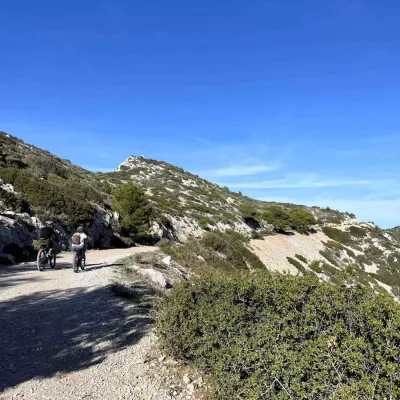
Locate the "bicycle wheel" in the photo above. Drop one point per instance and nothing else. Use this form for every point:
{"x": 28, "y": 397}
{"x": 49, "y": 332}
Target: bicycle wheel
{"x": 52, "y": 260}
{"x": 83, "y": 261}
{"x": 75, "y": 263}
{"x": 41, "y": 259}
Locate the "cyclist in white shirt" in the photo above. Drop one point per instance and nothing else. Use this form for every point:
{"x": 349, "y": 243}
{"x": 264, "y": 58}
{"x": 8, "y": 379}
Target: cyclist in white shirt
{"x": 78, "y": 239}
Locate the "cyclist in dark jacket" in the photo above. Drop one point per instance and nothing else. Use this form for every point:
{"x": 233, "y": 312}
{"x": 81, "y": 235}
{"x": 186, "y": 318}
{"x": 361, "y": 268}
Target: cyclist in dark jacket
{"x": 49, "y": 235}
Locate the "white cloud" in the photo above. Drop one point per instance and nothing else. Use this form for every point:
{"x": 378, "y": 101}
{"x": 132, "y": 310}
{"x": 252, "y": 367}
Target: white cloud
{"x": 304, "y": 183}
{"x": 244, "y": 170}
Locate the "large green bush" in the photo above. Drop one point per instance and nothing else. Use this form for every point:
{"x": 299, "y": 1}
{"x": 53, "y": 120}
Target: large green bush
{"x": 338, "y": 235}
{"x": 301, "y": 220}
{"x": 296, "y": 218}
{"x": 273, "y": 336}
{"x": 231, "y": 245}
{"x": 64, "y": 200}
{"x": 133, "y": 205}
{"x": 278, "y": 217}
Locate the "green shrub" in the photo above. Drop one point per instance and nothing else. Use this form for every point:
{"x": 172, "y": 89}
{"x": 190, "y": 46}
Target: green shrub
{"x": 107, "y": 187}
{"x": 337, "y": 235}
{"x": 350, "y": 253}
{"x": 133, "y": 205}
{"x": 301, "y": 220}
{"x": 231, "y": 245}
{"x": 331, "y": 270}
{"x": 278, "y": 217}
{"x": 248, "y": 211}
{"x": 250, "y": 215}
{"x": 361, "y": 259}
{"x": 194, "y": 257}
{"x": 330, "y": 256}
{"x": 358, "y": 232}
{"x": 297, "y": 264}
{"x": 315, "y": 266}
{"x": 269, "y": 336}
{"x": 202, "y": 208}
{"x": 301, "y": 258}
{"x": 9, "y": 199}
{"x": 240, "y": 237}
{"x": 331, "y": 244}
{"x": 373, "y": 251}
{"x": 44, "y": 165}
{"x": 222, "y": 251}
{"x": 204, "y": 222}
{"x": 295, "y": 218}
{"x": 63, "y": 200}
{"x": 256, "y": 235}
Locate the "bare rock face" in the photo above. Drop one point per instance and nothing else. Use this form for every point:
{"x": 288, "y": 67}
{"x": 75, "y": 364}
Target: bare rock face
{"x": 156, "y": 277}
{"x": 186, "y": 228}
{"x": 16, "y": 235}
{"x": 19, "y": 230}
{"x": 101, "y": 230}
{"x": 159, "y": 270}
{"x": 161, "y": 231}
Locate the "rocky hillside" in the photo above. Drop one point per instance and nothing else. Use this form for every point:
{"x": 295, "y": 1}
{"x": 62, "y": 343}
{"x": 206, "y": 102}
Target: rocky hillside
{"x": 395, "y": 232}
{"x": 36, "y": 185}
{"x": 194, "y": 205}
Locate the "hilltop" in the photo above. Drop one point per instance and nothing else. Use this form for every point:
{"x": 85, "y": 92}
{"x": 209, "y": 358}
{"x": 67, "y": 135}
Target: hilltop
{"x": 395, "y": 232}
{"x": 37, "y": 185}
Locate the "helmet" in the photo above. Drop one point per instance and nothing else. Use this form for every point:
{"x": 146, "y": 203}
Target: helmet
{"x": 48, "y": 223}
{"x": 79, "y": 229}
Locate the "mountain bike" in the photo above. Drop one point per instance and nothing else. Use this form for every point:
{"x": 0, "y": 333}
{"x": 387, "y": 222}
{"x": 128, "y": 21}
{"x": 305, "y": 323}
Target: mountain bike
{"x": 79, "y": 260}
{"x": 45, "y": 256}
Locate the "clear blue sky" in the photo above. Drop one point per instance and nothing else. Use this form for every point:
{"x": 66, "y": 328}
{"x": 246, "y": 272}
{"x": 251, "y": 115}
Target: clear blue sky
{"x": 282, "y": 99}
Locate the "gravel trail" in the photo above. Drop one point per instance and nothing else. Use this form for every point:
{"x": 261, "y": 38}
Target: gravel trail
{"x": 66, "y": 336}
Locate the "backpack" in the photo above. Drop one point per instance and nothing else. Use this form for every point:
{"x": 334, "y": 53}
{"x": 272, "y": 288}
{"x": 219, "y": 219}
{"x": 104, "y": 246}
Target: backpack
{"x": 76, "y": 239}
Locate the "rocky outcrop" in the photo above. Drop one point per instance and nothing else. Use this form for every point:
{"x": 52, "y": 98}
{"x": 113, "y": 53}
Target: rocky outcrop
{"x": 17, "y": 232}
{"x": 160, "y": 271}
{"x": 161, "y": 231}
{"x": 101, "y": 230}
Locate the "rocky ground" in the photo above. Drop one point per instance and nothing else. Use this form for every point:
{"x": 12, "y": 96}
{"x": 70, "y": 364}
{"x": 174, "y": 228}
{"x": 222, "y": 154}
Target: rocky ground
{"x": 68, "y": 336}
{"x": 274, "y": 250}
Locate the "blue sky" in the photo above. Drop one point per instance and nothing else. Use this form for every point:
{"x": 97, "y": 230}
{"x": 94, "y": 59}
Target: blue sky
{"x": 285, "y": 100}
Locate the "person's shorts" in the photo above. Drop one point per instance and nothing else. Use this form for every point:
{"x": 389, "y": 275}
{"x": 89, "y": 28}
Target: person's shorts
{"x": 75, "y": 247}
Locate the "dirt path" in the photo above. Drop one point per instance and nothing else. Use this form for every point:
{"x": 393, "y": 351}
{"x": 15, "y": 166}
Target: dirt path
{"x": 66, "y": 336}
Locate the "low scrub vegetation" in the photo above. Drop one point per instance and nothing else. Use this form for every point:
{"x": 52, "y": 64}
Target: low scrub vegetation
{"x": 295, "y": 218}
{"x": 316, "y": 266}
{"x": 358, "y": 232}
{"x": 269, "y": 336}
{"x": 57, "y": 198}
{"x": 301, "y": 258}
{"x": 223, "y": 251}
{"x": 338, "y": 235}
{"x": 297, "y": 264}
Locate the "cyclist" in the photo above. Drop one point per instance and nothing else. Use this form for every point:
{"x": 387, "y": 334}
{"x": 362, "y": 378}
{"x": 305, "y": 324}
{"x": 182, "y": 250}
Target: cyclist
{"x": 78, "y": 239}
{"x": 49, "y": 236}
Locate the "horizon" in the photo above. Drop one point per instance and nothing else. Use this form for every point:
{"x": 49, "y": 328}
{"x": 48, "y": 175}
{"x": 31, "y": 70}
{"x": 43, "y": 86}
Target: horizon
{"x": 287, "y": 102}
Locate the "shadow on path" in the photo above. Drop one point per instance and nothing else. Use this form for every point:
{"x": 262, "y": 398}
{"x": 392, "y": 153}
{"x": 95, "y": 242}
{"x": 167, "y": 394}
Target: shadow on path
{"x": 12, "y": 280}
{"x": 7, "y": 271}
{"x": 45, "y": 333}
